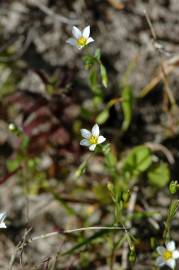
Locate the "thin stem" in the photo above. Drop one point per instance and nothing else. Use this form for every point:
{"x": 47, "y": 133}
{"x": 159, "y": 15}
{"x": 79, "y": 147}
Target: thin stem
{"x": 72, "y": 231}
{"x": 150, "y": 26}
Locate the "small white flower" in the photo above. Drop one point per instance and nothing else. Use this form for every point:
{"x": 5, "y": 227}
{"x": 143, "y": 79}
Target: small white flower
{"x": 91, "y": 138}
{"x": 80, "y": 38}
{"x": 2, "y": 218}
{"x": 168, "y": 255}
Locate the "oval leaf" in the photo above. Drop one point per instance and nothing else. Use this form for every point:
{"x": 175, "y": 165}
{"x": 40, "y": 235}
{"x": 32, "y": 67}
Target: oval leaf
{"x": 159, "y": 175}
{"x": 102, "y": 117}
{"x": 138, "y": 161}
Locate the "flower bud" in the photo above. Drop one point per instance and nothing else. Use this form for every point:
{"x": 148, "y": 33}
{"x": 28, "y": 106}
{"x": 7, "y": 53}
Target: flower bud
{"x": 173, "y": 187}
{"x": 132, "y": 255}
{"x": 126, "y": 195}
{"x": 110, "y": 187}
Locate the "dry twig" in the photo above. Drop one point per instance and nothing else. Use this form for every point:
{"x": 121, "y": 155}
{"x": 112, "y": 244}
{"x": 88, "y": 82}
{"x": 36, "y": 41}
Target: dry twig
{"x": 163, "y": 149}
{"x": 49, "y": 12}
{"x": 19, "y": 248}
{"x": 116, "y": 4}
{"x": 159, "y": 49}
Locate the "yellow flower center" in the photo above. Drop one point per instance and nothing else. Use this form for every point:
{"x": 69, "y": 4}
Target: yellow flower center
{"x": 82, "y": 41}
{"x": 167, "y": 255}
{"x": 93, "y": 140}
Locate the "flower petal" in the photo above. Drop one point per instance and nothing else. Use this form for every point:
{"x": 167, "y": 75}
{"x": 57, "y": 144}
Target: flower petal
{"x": 160, "y": 250}
{"x": 71, "y": 41}
{"x": 84, "y": 142}
{"x": 85, "y": 133}
{"x": 95, "y": 130}
{"x": 86, "y": 32}
{"x": 160, "y": 262}
{"x": 2, "y": 216}
{"x": 101, "y": 139}
{"x": 171, "y": 263}
{"x": 92, "y": 147}
{"x": 79, "y": 47}
{"x": 2, "y": 225}
{"x": 175, "y": 254}
{"x": 170, "y": 246}
{"x": 76, "y": 32}
{"x": 89, "y": 40}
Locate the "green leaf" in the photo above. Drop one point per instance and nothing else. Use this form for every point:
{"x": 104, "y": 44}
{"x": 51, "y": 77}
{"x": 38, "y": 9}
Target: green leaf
{"x": 24, "y": 143}
{"x": 13, "y": 164}
{"x": 93, "y": 81}
{"x": 104, "y": 75}
{"x": 173, "y": 187}
{"x": 111, "y": 160}
{"x": 102, "y": 116}
{"x": 86, "y": 241}
{"x": 85, "y": 113}
{"x": 106, "y": 148}
{"x": 171, "y": 214}
{"x": 101, "y": 193}
{"x": 127, "y": 107}
{"x": 139, "y": 159}
{"x": 97, "y": 100}
{"x": 88, "y": 61}
{"x": 98, "y": 54}
{"x": 173, "y": 208}
{"x": 159, "y": 175}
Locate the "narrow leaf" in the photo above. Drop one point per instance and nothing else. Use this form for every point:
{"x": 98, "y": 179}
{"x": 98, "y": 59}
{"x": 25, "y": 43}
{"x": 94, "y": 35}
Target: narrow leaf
{"x": 127, "y": 107}
{"x": 102, "y": 116}
{"x": 104, "y": 76}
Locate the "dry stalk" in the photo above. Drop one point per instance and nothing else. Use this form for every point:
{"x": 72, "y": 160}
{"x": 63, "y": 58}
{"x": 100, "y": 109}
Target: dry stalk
{"x": 116, "y": 4}
{"x": 43, "y": 236}
{"x": 164, "y": 73}
{"x": 19, "y": 248}
{"x": 163, "y": 149}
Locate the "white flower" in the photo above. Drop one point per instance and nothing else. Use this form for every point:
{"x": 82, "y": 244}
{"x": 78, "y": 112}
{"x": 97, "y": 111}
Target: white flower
{"x": 168, "y": 255}
{"x": 2, "y": 218}
{"x": 80, "y": 38}
{"x": 91, "y": 138}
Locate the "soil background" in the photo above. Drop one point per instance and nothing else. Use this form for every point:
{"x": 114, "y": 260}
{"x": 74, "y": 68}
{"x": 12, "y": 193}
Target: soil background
{"x": 33, "y": 56}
